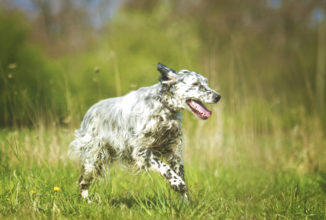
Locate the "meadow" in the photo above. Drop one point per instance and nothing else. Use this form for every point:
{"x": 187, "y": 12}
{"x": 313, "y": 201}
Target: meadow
{"x": 260, "y": 156}
{"x": 232, "y": 174}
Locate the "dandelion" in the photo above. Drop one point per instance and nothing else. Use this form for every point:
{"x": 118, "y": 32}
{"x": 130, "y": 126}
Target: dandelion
{"x": 32, "y": 192}
{"x": 56, "y": 188}
{"x": 12, "y": 66}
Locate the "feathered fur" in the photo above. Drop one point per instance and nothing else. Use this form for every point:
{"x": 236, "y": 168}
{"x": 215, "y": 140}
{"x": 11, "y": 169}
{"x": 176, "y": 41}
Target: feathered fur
{"x": 140, "y": 128}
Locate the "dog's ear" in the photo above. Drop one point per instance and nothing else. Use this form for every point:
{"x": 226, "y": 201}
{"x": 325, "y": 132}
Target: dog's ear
{"x": 169, "y": 76}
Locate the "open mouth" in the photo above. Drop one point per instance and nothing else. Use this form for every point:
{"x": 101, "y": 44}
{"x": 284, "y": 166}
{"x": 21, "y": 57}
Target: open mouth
{"x": 199, "y": 109}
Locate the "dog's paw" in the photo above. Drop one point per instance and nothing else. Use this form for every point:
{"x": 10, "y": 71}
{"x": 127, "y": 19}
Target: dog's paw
{"x": 185, "y": 199}
{"x": 179, "y": 187}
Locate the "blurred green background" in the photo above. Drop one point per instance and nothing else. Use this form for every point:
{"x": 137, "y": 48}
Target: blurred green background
{"x": 260, "y": 156}
{"x": 266, "y": 57}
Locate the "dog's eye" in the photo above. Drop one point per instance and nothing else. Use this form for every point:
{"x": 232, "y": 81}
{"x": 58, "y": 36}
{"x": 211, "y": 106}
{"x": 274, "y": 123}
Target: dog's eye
{"x": 196, "y": 84}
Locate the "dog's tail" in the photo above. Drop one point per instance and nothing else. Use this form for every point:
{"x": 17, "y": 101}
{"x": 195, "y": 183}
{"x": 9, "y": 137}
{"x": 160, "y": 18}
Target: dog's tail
{"x": 78, "y": 145}
{"x": 83, "y": 140}
{"x": 85, "y": 147}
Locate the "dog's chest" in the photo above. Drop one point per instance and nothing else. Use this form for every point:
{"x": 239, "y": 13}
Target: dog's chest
{"x": 162, "y": 133}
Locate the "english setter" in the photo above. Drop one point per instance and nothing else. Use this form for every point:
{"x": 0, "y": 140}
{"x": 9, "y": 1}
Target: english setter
{"x": 143, "y": 127}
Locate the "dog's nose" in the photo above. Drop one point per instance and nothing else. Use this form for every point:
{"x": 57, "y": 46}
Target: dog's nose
{"x": 216, "y": 98}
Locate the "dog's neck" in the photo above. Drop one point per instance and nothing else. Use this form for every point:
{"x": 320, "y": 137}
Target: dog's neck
{"x": 167, "y": 101}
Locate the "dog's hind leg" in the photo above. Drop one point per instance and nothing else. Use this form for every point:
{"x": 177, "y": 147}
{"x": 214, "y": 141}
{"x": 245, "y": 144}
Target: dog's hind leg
{"x": 145, "y": 158}
{"x": 90, "y": 170}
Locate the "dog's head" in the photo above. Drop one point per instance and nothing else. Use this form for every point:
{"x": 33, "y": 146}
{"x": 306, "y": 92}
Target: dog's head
{"x": 188, "y": 90}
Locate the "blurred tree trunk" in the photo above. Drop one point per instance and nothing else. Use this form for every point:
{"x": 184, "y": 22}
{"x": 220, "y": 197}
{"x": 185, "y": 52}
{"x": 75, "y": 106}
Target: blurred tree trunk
{"x": 45, "y": 11}
{"x": 321, "y": 65}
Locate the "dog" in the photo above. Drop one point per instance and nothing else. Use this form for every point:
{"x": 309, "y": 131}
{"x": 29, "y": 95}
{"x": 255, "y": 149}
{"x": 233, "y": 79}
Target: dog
{"x": 143, "y": 128}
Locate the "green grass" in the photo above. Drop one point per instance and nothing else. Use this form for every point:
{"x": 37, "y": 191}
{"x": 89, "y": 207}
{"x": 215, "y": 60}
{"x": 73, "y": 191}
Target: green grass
{"x": 33, "y": 162}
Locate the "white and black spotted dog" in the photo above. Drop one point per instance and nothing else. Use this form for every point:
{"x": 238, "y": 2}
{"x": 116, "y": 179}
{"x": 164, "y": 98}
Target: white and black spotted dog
{"x": 143, "y": 128}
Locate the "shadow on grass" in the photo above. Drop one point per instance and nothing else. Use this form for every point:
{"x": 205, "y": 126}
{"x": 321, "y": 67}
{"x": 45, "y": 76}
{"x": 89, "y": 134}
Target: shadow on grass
{"x": 159, "y": 202}
{"x": 128, "y": 201}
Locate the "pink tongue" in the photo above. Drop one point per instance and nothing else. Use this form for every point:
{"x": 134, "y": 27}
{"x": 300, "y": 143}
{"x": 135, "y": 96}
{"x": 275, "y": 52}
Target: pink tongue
{"x": 200, "y": 108}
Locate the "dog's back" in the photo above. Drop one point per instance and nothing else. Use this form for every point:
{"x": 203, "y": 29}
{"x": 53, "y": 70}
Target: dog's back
{"x": 136, "y": 119}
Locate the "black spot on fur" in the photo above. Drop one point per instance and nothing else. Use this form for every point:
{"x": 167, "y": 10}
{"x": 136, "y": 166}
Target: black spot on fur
{"x": 168, "y": 174}
{"x": 84, "y": 186}
{"x": 147, "y": 158}
{"x": 157, "y": 162}
{"x": 181, "y": 171}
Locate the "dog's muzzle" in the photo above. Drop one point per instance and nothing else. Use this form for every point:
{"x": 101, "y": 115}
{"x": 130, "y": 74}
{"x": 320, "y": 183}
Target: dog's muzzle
{"x": 216, "y": 98}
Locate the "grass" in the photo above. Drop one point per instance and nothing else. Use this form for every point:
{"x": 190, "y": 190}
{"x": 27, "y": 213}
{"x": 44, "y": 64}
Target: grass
{"x": 225, "y": 181}
{"x": 29, "y": 192}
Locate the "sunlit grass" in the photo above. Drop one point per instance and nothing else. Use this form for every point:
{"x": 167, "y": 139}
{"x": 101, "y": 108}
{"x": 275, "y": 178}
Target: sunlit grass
{"x": 228, "y": 176}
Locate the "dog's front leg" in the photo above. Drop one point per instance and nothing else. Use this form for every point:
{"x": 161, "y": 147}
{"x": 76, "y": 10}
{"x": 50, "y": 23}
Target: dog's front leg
{"x": 147, "y": 159}
{"x": 175, "y": 161}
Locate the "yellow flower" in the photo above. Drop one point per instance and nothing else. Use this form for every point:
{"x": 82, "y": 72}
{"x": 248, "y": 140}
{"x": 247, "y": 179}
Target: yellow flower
{"x": 32, "y": 192}
{"x": 12, "y": 65}
{"x": 56, "y": 188}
